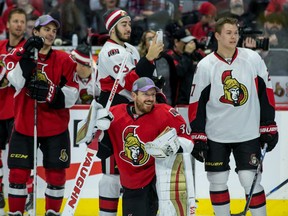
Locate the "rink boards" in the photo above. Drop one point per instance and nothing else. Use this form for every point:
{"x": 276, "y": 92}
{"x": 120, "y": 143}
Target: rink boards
{"x": 275, "y": 172}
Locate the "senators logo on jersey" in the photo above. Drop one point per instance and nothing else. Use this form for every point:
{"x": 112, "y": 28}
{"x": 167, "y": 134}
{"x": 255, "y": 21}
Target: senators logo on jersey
{"x": 134, "y": 151}
{"x": 235, "y": 93}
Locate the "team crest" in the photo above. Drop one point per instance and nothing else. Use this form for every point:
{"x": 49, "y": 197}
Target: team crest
{"x": 253, "y": 160}
{"x": 235, "y": 93}
{"x": 63, "y": 155}
{"x": 134, "y": 151}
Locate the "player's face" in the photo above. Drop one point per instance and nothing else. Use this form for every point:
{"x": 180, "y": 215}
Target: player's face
{"x": 48, "y": 32}
{"x": 228, "y": 38}
{"x": 144, "y": 101}
{"x": 123, "y": 30}
{"x": 83, "y": 71}
{"x": 17, "y": 25}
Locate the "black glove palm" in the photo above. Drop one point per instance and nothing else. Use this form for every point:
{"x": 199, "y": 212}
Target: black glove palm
{"x": 159, "y": 81}
{"x": 200, "y": 146}
{"x": 32, "y": 42}
{"x": 42, "y": 91}
{"x": 200, "y": 150}
{"x": 269, "y": 135}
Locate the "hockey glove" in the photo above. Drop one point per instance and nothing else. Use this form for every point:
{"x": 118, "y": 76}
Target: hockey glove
{"x": 42, "y": 91}
{"x": 200, "y": 146}
{"x": 166, "y": 144}
{"x": 269, "y": 135}
{"x": 27, "y": 67}
{"x": 159, "y": 81}
{"x": 34, "y": 42}
{"x": 98, "y": 118}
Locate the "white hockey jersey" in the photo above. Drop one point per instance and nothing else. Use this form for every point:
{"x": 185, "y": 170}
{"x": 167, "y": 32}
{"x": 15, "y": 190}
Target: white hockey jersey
{"x": 225, "y": 101}
{"x": 109, "y": 62}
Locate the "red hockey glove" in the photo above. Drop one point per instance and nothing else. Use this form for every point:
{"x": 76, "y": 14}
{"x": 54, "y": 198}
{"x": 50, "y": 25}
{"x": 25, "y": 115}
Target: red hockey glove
{"x": 200, "y": 146}
{"x": 269, "y": 135}
{"x": 42, "y": 91}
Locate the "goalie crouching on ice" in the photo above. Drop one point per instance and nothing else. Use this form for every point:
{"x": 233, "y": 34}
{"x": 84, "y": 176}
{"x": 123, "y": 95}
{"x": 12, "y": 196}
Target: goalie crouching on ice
{"x": 152, "y": 148}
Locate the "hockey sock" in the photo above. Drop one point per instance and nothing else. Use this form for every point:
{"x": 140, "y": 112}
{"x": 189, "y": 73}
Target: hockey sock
{"x": 219, "y": 194}
{"x": 109, "y": 192}
{"x": 54, "y": 193}
{"x": 258, "y": 201}
{"x": 17, "y": 192}
{"x": 54, "y": 197}
{"x": 17, "y": 195}
{"x": 30, "y": 184}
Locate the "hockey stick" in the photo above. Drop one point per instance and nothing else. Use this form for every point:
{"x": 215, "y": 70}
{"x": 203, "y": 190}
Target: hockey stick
{"x": 34, "y": 209}
{"x": 277, "y": 187}
{"x": 270, "y": 192}
{"x": 93, "y": 69}
{"x": 250, "y": 195}
{"x": 86, "y": 165}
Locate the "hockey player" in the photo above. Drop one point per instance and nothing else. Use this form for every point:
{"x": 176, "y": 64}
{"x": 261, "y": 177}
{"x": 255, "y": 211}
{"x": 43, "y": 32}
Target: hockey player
{"x": 50, "y": 85}
{"x": 118, "y": 24}
{"x": 133, "y": 141}
{"x": 86, "y": 75}
{"x": 16, "y": 27}
{"x": 232, "y": 109}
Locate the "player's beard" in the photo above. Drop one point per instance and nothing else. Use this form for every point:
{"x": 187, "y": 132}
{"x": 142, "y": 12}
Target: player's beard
{"x": 143, "y": 108}
{"x": 120, "y": 35}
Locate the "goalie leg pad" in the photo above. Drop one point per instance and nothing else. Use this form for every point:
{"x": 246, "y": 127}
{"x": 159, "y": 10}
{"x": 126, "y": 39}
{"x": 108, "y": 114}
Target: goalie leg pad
{"x": 175, "y": 186}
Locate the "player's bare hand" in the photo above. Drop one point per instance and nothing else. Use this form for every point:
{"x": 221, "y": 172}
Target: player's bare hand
{"x": 154, "y": 50}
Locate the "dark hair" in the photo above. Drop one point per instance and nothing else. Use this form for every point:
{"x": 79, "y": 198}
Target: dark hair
{"x": 17, "y": 11}
{"x": 224, "y": 20}
{"x": 102, "y": 3}
{"x": 275, "y": 18}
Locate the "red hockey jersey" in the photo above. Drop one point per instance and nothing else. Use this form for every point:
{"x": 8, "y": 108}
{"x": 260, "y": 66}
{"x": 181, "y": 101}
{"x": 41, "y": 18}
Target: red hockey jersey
{"x": 129, "y": 133}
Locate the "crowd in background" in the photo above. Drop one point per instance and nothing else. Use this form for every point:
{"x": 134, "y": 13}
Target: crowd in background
{"x": 188, "y": 28}
{"x": 77, "y": 16}
{"x": 263, "y": 25}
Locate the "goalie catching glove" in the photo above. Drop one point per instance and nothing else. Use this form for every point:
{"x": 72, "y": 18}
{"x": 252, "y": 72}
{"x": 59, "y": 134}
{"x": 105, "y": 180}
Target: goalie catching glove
{"x": 168, "y": 143}
{"x": 164, "y": 145}
{"x": 269, "y": 135}
{"x": 98, "y": 118}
